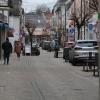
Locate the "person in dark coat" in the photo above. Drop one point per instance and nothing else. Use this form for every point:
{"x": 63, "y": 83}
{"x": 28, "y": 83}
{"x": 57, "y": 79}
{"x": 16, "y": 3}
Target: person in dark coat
{"x": 56, "y": 49}
{"x": 7, "y": 48}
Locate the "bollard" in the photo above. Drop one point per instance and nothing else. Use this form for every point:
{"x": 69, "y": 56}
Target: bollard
{"x": 96, "y": 64}
{"x": 90, "y": 60}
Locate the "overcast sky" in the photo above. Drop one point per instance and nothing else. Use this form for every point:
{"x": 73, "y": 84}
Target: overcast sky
{"x": 30, "y": 5}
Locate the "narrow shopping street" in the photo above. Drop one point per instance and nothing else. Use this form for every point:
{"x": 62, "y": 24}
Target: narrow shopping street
{"x": 45, "y": 78}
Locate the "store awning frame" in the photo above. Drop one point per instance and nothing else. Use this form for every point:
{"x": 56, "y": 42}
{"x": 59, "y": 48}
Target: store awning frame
{"x": 1, "y": 24}
{"x": 5, "y": 26}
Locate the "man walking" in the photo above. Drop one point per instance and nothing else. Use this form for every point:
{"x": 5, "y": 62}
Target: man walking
{"x": 56, "y": 49}
{"x": 7, "y": 48}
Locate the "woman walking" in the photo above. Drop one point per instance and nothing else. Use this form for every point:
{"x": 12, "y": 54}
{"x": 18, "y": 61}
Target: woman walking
{"x": 18, "y": 48}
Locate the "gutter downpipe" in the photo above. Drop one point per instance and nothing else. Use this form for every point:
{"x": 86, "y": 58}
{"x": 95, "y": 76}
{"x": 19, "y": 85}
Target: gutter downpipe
{"x": 99, "y": 42}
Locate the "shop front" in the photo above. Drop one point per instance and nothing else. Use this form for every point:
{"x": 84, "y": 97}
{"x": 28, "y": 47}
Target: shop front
{"x": 3, "y": 34}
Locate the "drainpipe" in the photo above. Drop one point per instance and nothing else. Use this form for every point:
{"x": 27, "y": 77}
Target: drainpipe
{"x": 99, "y": 42}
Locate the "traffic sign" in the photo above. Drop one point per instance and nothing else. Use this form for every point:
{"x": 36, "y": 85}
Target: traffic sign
{"x": 90, "y": 27}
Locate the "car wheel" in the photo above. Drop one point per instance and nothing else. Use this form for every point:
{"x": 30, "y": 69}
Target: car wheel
{"x": 38, "y": 53}
{"x": 23, "y": 53}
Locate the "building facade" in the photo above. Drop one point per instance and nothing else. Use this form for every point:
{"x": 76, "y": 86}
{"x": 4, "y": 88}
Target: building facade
{"x": 65, "y": 13}
{"x": 4, "y": 22}
{"x": 16, "y": 20}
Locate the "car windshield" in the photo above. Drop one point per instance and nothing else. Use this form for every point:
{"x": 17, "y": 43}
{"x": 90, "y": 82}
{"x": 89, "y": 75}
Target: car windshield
{"x": 87, "y": 44}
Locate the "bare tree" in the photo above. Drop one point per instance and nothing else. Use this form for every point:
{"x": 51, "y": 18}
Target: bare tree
{"x": 85, "y": 12}
{"x": 30, "y": 28}
{"x": 93, "y": 4}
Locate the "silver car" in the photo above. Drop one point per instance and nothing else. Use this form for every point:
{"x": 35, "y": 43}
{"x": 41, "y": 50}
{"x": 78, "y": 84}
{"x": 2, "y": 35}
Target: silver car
{"x": 27, "y": 50}
{"x": 80, "y": 51}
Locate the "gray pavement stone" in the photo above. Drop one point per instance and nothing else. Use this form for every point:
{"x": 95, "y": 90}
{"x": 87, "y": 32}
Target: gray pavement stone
{"x": 45, "y": 78}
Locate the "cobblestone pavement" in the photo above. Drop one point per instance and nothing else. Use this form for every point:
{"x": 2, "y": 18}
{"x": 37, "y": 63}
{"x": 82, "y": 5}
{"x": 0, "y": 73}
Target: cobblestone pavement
{"x": 45, "y": 78}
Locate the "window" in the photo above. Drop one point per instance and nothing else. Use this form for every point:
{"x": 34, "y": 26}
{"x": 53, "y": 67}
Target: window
{"x": 87, "y": 44}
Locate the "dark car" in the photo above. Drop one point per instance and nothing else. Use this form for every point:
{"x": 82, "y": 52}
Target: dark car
{"x": 46, "y": 45}
{"x": 35, "y": 49}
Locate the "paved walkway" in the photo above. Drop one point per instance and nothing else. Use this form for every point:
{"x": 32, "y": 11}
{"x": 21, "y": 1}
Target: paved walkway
{"x": 45, "y": 78}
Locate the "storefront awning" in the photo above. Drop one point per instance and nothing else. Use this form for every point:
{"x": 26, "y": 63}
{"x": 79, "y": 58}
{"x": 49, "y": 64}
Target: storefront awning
{"x": 4, "y": 25}
{"x": 1, "y": 24}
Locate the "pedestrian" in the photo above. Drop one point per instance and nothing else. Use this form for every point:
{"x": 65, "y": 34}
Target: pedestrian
{"x": 56, "y": 49}
{"x": 7, "y": 48}
{"x": 18, "y": 48}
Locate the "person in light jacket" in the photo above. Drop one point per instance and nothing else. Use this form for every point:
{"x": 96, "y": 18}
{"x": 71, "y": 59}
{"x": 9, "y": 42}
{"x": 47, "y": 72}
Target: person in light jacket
{"x": 18, "y": 48}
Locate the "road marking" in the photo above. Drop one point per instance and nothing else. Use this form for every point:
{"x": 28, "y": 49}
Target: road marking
{"x": 38, "y": 90}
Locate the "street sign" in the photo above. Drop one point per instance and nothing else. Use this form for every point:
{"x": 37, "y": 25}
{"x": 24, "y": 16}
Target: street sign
{"x": 90, "y": 27}
{"x": 72, "y": 30}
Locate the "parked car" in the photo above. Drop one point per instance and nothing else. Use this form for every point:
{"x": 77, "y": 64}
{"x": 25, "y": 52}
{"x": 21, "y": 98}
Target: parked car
{"x": 46, "y": 45}
{"x": 26, "y": 50}
{"x": 80, "y": 51}
{"x": 35, "y": 49}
